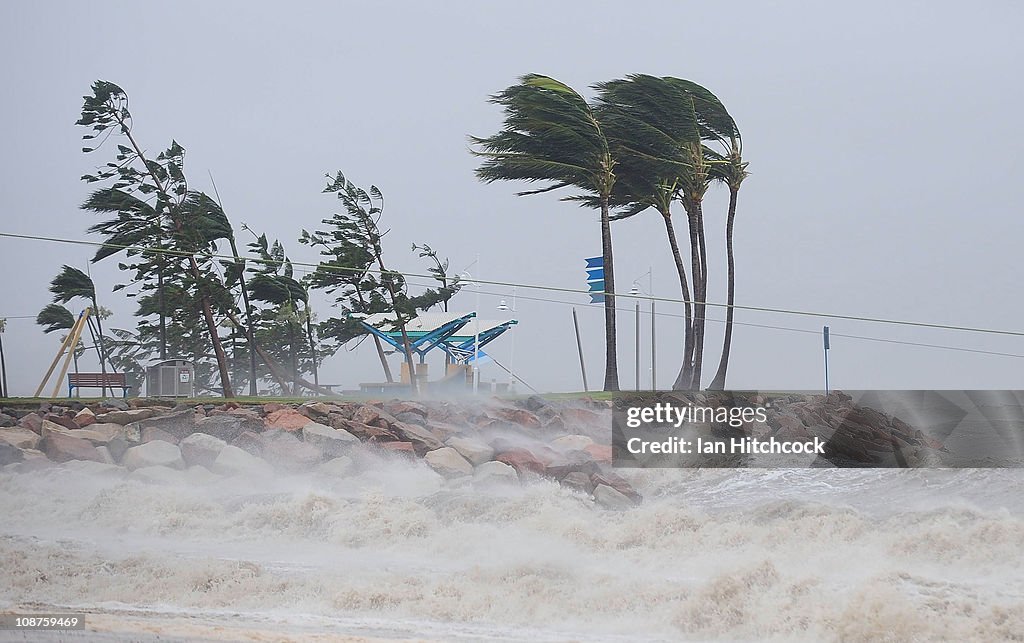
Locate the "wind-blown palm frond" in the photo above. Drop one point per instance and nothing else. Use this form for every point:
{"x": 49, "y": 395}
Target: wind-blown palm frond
{"x": 70, "y": 283}
{"x": 55, "y": 317}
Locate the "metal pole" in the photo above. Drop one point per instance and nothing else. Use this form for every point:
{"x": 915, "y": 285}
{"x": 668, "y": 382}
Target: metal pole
{"x": 654, "y": 353}
{"x": 824, "y": 333}
{"x": 476, "y": 339}
{"x": 3, "y": 365}
{"x": 512, "y": 346}
{"x": 579, "y": 347}
{"x": 638, "y": 344}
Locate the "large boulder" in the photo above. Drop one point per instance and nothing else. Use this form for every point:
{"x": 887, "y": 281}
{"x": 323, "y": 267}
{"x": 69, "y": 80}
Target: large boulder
{"x": 7, "y": 420}
{"x": 98, "y": 438}
{"x": 338, "y": 467}
{"x": 398, "y": 407}
{"x": 31, "y": 421}
{"x": 233, "y": 461}
{"x": 609, "y": 498}
{"x": 572, "y": 442}
{"x": 9, "y": 454}
{"x": 49, "y": 427}
{"x": 493, "y": 472}
{"x": 178, "y": 424}
{"x": 282, "y": 449}
{"x": 107, "y": 430}
{"x": 230, "y": 426}
{"x": 286, "y": 419}
{"x": 474, "y": 451}
{"x": 125, "y": 416}
{"x": 85, "y": 417}
{"x": 20, "y": 437}
{"x": 522, "y": 461}
{"x": 151, "y": 454}
{"x": 250, "y": 443}
{"x": 374, "y": 416}
{"x": 201, "y": 449}
{"x": 448, "y": 462}
{"x": 422, "y": 439}
{"x": 61, "y": 447}
{"x": 154, "y": 433}
{"x": 577, "y": 481}
{"x": 365, "y": 432}
{"x": 332, "y": 442}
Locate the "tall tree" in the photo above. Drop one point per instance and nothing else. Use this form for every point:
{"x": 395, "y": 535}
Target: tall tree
{"x": 106, "y": 112}
{"x": 355, "y": 234}
{"x": 650, "y": 132}
{"x": 551, "y": 134}
{"x": 732, "y": 174}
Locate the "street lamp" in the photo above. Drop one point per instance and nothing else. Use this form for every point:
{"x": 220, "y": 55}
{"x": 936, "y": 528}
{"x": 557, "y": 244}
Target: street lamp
{"x": 637, "y": 290}
{"x": 512, "y": 340}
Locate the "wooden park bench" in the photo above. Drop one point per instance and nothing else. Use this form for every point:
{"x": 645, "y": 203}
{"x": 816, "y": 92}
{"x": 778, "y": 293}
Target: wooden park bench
{"x": 98, "y": 380}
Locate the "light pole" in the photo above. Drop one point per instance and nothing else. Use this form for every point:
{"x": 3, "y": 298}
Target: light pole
{"x": 635, "y": 290}
{"x": 512, "y": 340}
{"x": 476, "y": 334}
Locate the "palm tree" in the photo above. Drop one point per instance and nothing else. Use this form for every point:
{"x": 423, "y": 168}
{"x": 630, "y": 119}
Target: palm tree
{"x": 71, "y": 283}
{"x": 650, "y": 133}
{"x": 551, "y": 134}
{"x": 732, "y": 174}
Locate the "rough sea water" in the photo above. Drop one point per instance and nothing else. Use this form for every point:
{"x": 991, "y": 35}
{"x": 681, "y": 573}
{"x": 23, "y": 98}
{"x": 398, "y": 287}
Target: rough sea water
{"x": 392, "y": 551}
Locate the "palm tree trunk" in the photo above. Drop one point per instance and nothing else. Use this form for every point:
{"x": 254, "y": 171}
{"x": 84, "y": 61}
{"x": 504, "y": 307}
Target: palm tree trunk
{"x": 684, "y": 372}
{"x": 718, "y": 384}
{"x": 611, "y": 365}
{"x": 700, "y": 309}
{"x": 685, "y": 379}
{"x": 294, "y": 355}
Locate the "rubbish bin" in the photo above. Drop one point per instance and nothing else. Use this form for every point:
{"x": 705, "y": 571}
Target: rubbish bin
{"x": 171, "y": 378}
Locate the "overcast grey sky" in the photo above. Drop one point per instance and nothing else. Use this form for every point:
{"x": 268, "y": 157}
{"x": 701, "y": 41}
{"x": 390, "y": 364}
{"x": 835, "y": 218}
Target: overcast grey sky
{"x": 884, "y": 142}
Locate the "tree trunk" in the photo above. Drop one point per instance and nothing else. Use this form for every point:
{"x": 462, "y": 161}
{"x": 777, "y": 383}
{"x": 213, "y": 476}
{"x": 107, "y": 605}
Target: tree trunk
{"x": 684, "y": 381}
{"x": 611, "y": 365}
{"x": 718, "y": 384}
{"x": 163, "y": 308}
{"x": 293, "y": 354}
{"x": 380, "y": 349}
{"x": 312, "y": 345}
{"x": 218, "y": 349}
{"x": 248, "y": 317}
{"x": 700, "y": 320}
{"x": 684, "y": 371}
{"x": 100, "y": 343}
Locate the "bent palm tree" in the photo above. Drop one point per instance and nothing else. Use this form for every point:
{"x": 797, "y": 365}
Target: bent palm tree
{"x": 650, "y": 132}
{"x": 71, "y": 283}
{"x": 551, "y": 134}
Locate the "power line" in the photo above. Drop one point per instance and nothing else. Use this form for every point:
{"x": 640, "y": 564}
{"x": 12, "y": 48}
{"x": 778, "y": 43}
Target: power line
{"x": 764, "y": 309}
{"x": 781, "y": 328}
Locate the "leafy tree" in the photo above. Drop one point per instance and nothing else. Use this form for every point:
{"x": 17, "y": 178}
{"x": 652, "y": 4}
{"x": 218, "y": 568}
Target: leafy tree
{"x": 448, "y": 285}
{"x": 353, "y": 241}
{"x": 161, "y": 179}
{"x": 550, "y": 134}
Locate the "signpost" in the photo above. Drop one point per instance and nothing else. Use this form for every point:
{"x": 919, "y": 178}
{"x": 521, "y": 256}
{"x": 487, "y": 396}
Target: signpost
{"x": 825, "y": 338}
{"x": 595, "y": 279}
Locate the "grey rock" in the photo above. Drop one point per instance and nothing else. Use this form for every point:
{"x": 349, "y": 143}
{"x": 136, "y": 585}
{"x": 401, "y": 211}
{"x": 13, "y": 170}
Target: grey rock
{"x": 9, "y": 454}
{"x": 229, "y": 427}
{"x": 177, "y": 424}
{"x": 234, "y": 461}
{"x": 422, "y": 439}
{"x": 20, "y": 437}
{"x": 332, "y": 442}
{"x": 338, "y": 467}
{"x": 115, "y": 403}
{"x": 126, "y": 416}
{"x": 201, "y": 449}
{"x": 474, "y": 451}
{"x": 156, "y": 453}
{"x": 611, "y": 499}
{"x": 448, "y": 462}
{"x": 494, "y": 472}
